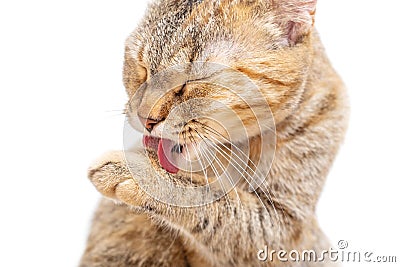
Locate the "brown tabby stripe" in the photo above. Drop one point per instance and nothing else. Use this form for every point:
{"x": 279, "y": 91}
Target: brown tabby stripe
{"x": 254, "y": 75}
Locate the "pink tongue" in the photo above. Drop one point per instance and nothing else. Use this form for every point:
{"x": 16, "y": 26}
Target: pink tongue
{"x": 164, "y": 154}
{"x": 163, "y": 147}
{"x": 150, "y": 142}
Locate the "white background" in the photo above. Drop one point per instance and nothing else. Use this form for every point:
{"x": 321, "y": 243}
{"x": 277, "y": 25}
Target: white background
{"x": 61, "y": 102}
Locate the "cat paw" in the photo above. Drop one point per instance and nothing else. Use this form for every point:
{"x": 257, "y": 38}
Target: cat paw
{"x": 112, "y": 178}
{"x": 108, "y": 172}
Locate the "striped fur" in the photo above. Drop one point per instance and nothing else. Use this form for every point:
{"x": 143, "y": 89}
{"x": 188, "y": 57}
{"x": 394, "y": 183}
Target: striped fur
{"x": 275, "y": 45}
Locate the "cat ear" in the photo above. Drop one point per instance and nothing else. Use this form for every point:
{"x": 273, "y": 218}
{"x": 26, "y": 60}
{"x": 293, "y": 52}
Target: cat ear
{"x": 297, "y": 17}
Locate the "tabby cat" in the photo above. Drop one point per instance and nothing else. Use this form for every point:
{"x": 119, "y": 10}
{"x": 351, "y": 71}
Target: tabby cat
{"x": 274, "y": 45}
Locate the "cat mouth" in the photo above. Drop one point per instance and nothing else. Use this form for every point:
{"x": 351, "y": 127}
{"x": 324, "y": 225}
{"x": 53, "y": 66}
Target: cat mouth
{"x": 167, "y": 151}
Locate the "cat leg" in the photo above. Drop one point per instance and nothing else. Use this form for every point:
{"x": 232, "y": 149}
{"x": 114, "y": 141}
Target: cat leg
{"x": 120, "y": 237}
{"x": 227, "y": 231}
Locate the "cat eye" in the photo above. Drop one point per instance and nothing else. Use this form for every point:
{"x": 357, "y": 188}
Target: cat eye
{"x": 142, "y": 72}
{"x": 181, "y": 90}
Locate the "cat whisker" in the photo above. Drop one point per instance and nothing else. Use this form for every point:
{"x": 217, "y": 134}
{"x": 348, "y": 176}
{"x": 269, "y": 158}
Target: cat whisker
{"x": 221, "y": 166}
{"x": 216, "y": 175}
{"x": 249, "y": 160}
{"x": 123, "y": 111}
{"x": 216, "y": 172}
{"x": 116, "y": 112}
{"x": 207, "y": 126}
{"x": 194, "y": 144}
{"x": 267, "y": 194}
{"x": 230, "y": 143}
{"x": 187, "y": 152}
{"x": 258, "y": 196}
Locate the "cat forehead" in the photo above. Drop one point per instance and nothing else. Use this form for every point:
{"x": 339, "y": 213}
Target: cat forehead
{"x": 176, "y": 31}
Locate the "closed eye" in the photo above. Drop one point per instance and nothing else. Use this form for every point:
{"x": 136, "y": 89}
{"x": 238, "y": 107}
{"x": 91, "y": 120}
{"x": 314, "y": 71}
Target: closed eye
{"x": 142, "y": 73}
{"x": 181, "y": 90}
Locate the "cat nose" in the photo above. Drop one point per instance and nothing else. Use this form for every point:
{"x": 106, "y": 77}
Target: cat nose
{"x": 148, "y": 123}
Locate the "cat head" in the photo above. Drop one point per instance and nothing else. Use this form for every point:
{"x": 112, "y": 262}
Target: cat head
{"x": 200, "y": 68}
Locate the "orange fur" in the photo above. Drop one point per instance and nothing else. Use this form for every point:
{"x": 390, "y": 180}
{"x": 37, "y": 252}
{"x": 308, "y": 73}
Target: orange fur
{"x": 275, "y": 45}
